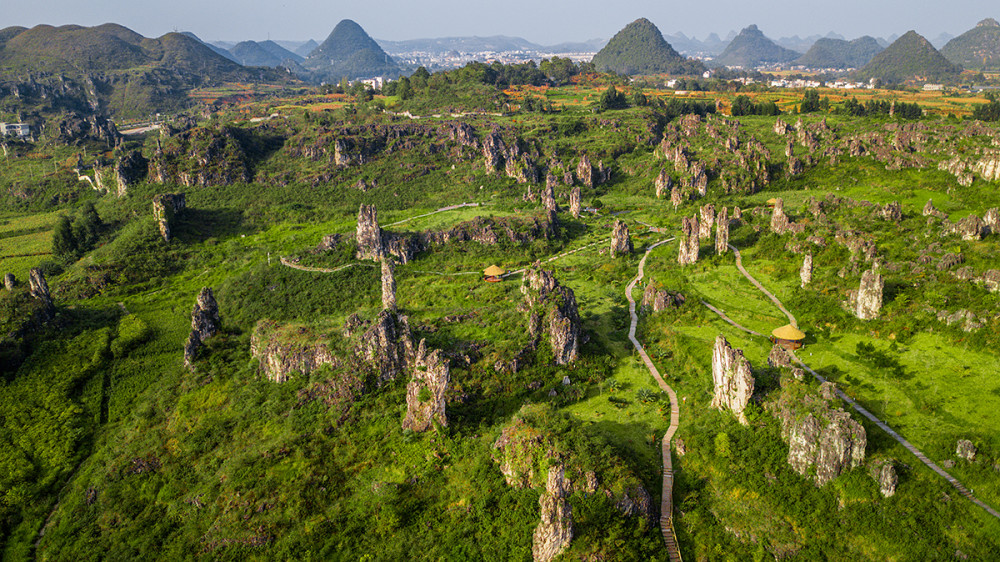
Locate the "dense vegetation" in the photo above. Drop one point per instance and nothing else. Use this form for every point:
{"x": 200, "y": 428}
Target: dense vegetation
{"x": 114, "y": 449}
{"x": 976, "y": 49}
{"x": 910, "y": 56}
{"x": 639, "y": 48}
{"x": 751, "y": 48}
{"x": 838, "y": 53}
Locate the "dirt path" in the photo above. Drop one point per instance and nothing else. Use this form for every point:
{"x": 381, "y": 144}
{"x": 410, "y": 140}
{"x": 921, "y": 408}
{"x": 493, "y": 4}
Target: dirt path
{"x": 857, "y": 407}
{"x": 666, "y": 498}
{"x": 441, "y": 210}
{"x": 774, "y": 299}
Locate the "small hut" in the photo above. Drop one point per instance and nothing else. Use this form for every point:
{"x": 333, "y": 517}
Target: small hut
{"x": 493, "y": 274}
{"x": 788, "y": 337}
{"x": 771, "y": 202}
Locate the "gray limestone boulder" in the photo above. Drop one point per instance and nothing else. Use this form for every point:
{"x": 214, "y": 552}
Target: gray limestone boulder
{"x": 204, "y": 324}
{"x": 732, "y": 379}
{"x": 425, "y": 393}
{"x": 555, "y": 531}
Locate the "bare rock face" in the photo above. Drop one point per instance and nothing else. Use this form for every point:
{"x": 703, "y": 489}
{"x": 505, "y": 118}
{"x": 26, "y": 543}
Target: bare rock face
{"x": 659, "y": 300}
{"x": 204, "y": 324}
{"x": 779, "y": 357}
{"x": 892, "y": 211}
{"x": 885, "y": 475}
{"x": 388, "y": 284}
{"x": 991, "y": 280}
{"x": 282, "y": 351}
{"x": 585, "y": 171}
{"x": 825, "y": 442}
{"x": 722, "y": 232}
{"x": 931, "y": 211}
{"x": 555, "y": 531}
{"x": 663, "y": 183}
{"x": 795, "y": 166}
{"x": 828, "y": 390}
{"x": 779, "y": 221}
{"x": 970, "y": 228}
{"x": 988, "y": 168}
{"x": 387, "y": 345}
{"x": 621, "y": 242}
{"x": 574, "y": 202}
{"x": 549, "y": 197}
{"x": 369, "y": 234}
{"x": 781, "y": 128}
{"x": 707, "y": 221}
{"x": 425, "y": 402}
{"x": 806, "y": 273}
{"x": 676, "y": 197}
{"x": 992, "y": 220}
{"x": 38, "y": 286}
{"x": 9, "y": 282}
{"x": 965, "y": 450}
{"x": 869, "y": 297}
{"x": 732, "y": 379}
{"x": 165, "y": 208}
{"x": 546, "y": 298}
{"x": 689, "y": 241}
{"x": 130, "y": 170}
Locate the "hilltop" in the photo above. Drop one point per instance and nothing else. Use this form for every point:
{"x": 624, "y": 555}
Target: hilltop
{"x": 838, "y": 53}
{"x": 639, "y": 48}
{"x": 349, "y": 51}
{"x": 752, "y": 48}
{"x": 264, "y": 53}
{"x": 978, "y": 48}
{"x": 910, "y": 56}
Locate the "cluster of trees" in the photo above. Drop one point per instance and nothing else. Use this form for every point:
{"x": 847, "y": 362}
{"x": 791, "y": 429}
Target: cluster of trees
{"x": 742, "y": 105}
{"x": 875, "y": 108}
{"x": 988, "y": 111}
{"x": 72, "y": 237}
{"x": 811, "y": 102}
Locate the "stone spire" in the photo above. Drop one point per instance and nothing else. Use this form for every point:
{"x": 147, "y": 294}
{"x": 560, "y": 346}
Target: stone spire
{"x": 555, "y": 531}
{"x": 722, "y": 232}
{"x": 388, "y": 284}
{"x": 369, "y": 234}
{"x": 621, "y": 242}
{"x": 204, "y": 324}
{"x": 574, "y": 202}
{"x": 806, "y": 273}
{"x": 689, "y": 241}
{"x": 425, "y": 393}
{"x": 707, "y": 221}
{"x": 732, "y": 379}
{"x": 869, "y": 297}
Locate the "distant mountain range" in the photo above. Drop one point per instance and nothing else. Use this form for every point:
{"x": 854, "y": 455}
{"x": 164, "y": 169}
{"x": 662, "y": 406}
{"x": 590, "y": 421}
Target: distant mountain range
{"x": 837, "y": 53}
{"x": 496, "y": 43}
{"x": 264, "y": 53}
{"x": 349, "y": 52}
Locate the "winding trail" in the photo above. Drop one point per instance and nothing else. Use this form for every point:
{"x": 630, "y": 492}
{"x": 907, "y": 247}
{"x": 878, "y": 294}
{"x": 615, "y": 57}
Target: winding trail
{"x": 774, "y": 299}
{"x": 843, "y": 396}
{"x": 666, "y": 497}
{"x": 441, "y": 210}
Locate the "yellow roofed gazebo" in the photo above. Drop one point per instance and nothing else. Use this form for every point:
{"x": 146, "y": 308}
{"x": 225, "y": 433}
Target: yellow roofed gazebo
{"x": 788, "y": 337}
{"x": 493, "y": 273}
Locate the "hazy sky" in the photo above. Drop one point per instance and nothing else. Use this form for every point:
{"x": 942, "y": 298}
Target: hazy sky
{"x": 540, "y": 21}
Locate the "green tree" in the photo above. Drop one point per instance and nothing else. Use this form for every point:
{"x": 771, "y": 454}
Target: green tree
{"x": 64, "y": 244}
{"x": 88, "y": 225}
{"x": 810, "y": 102}
{"x": 613, "y": 99}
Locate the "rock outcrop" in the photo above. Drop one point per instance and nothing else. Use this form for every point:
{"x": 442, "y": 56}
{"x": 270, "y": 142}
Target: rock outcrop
{"x": 806, "y": 273}
{"x": 779, "y": 220}
{"x": 388, "y": 284}
{"x": 166, "y": 207}
{"x": 965, "y": 450}
{"x": 204, "y": 324}
{"x": 868, "y": 301}
{"x": 931, "y": 211}
{"x": 886, "y": 477}
{"x": 9, "y": 281}
{"x": 574, "y": 202}
{"x": 676, "y": 197}
{"x": 425, "y": 401}
{"x": 547, "y": 300}
{"x": 689, "y": 241}
{"x": 659, "y": 300}
{"x": 130, "y": 170}
{"x": 387, "y": 345}
{"x": 732, "y": 379}
{"x": 555, "y": 531}
{"x": 585, "y": 171}
{"x": 663, "y": 184}
{"x": 722, "y": 232}
{"x": 38, "y": 286}
{"x": 621, "y": 242}
{"x": 779, "y": 357}
{"x": 369, "y": 234}
{"x": 283, "y": 350}
{"x": 707, "y": 221}
{"x": 549, "y": 198}
{"x": 970, "y": 228}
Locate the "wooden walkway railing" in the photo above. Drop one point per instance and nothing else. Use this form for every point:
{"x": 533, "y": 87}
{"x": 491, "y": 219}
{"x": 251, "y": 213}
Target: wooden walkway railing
{"x": 666, "y": 497}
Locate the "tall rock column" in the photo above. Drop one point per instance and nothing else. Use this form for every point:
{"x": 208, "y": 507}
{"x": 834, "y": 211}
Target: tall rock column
{"x": 621, "y": 242}
{"x": 869, "y": 298}
{"x": 165, "y": 207}
{"x": 689, "y": 241}
{"x": 544, "y": 296}
{"x": 663, "y": 184}
{"x": 585, "y": 171}
{"x": 369, "y": 234}
{"x": 732, "y": 379}
{"x": 574, "y": 202}
{"x": 9, "y": 281}
{"x": 676, "y": 198}
{"x": 707, "y": 221}
{"x": 806, "y": 273}
{"x": 425, "y": 402}
{"x": 722, "y": 232}
{"x": 39, "y": 289}
{"x": 388, "y": 284}
{"x": 779, "y": 221}
{"x": 555, "y": 531}
{"x": 549, "y": 197}
{"x": 204, "y": 324}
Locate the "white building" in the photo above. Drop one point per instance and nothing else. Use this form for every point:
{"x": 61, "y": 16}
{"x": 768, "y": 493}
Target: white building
{"x": 15, "y": 129}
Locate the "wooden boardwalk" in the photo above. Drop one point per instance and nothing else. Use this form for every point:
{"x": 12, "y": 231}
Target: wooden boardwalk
{"x": 666, "y": 498}
{"x": 857, "y": 407}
